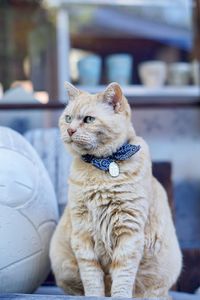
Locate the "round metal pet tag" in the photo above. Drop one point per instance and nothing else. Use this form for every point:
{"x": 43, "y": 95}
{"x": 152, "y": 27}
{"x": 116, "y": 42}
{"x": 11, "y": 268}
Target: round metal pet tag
{"x": 114, "y": 169}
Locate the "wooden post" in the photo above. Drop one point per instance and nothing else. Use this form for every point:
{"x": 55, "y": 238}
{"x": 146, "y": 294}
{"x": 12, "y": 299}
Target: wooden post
{"x": 196, "y": 14}
{"x": 63, "y": 48}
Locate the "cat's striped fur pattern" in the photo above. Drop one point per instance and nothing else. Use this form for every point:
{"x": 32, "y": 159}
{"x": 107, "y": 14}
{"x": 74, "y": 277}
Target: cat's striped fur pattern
{"x": 116, "y": 236}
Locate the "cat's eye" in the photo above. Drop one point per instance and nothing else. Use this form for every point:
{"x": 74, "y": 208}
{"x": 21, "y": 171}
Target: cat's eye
{"x": 68, "y": 119}
{"x": 88, "y": 119}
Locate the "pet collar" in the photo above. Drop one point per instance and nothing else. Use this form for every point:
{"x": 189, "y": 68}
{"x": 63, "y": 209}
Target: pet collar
{"x": 109, "y": 163}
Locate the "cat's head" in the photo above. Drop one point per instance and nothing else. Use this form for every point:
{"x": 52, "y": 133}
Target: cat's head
{"x": 95, "y": 124}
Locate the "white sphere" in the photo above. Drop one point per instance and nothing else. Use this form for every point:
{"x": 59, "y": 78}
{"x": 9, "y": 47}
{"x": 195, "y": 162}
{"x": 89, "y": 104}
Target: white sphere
{"x": 28, "y": 215}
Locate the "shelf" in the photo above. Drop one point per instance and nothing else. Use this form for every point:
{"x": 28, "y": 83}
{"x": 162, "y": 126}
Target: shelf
{"x": 138, "y": 97}
{"x": 66, "y": 3}
{"x": 135, "y": 104}
{"x": 165, "y": 94}
{"x": 32, "y": 106}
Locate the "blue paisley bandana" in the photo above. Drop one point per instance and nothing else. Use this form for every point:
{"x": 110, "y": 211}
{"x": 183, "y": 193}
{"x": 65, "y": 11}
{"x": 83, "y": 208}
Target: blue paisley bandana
{"x": 123, "y": 153}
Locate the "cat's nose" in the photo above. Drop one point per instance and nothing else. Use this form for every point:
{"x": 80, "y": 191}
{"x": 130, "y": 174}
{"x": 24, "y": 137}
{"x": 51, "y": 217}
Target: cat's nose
{"x": 71, "y": 131}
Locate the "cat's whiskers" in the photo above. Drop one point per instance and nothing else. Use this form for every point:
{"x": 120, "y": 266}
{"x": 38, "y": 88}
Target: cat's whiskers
{"x": 80, "y": 138}
{"x": 65, "y": 139}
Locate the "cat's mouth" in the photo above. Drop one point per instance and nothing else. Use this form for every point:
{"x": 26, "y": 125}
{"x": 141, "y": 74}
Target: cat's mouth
{"x": 81, "y": 144}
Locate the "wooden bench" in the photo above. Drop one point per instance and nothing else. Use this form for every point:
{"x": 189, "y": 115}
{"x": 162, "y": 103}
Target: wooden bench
{"x": 189, "y": 280}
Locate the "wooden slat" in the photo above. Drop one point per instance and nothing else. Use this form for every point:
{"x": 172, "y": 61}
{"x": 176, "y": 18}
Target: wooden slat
{"x": 163, "y": 172}
{"x": 135, "y": 104}
{"x": 32, "y": 106}
{"x": 190, "y": 277}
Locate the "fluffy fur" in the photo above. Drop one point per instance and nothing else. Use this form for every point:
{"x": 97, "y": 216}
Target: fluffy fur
{"x": 116, "y": 236}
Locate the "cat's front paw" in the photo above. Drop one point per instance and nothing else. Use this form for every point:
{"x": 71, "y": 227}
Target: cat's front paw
{"x": 122, "y": 294}
{"x": 95, "y": 293}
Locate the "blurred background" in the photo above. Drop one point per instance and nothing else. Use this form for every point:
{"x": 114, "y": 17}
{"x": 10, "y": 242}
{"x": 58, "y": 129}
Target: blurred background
{"x": 151, "y": 47}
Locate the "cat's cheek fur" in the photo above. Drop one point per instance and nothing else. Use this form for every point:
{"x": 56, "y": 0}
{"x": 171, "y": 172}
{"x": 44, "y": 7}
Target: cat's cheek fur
{"x": 63, "y": 129}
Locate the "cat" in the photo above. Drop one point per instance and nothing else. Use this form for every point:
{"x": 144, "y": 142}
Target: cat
{"x": 116, "y": 236}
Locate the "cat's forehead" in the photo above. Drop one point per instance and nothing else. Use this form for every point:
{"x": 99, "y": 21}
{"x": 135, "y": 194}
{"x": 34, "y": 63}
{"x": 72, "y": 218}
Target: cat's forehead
{"x": 85, "y": 104}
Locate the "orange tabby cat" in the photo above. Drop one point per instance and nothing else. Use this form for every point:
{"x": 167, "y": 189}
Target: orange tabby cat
{"x": 116, "y": 236}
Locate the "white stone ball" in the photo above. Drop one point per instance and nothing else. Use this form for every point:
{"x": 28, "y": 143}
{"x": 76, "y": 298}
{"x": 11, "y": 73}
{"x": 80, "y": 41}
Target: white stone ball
{"x": 28, "y": 215}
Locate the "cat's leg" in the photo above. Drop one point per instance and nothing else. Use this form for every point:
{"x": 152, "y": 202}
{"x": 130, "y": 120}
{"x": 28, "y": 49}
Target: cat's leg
{"x": 154, "y": 292}
{"x": 152, "y": 283}
{"x": 63, "y": 260}
{"x": 91, "y": 272}
{"x": 65, "y": 269}
{"x": 157, "y": 273}
{"x": 126, "y": 259}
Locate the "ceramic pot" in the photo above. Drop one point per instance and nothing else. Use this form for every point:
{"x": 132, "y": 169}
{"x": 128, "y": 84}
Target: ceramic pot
{"x": 89, "y": 69}
{"x": 119, "y": 68}
{"x": 153, "y": 73}
{"x": 179, "y": 74}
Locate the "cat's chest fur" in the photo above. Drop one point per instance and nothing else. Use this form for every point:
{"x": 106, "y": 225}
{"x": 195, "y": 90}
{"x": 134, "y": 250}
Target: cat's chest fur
{"x": 100, "y": 204}
{"x": 103, "y": 219}
{"x": 104, "y": 204}
{"x": 100, "y": 221}
{"x": 102, "y": 211}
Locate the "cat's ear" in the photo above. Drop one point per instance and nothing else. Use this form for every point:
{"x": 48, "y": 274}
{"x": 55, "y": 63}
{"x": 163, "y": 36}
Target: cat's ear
{"x": 113, "y": 95}
{"x": 72, "y": 91}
